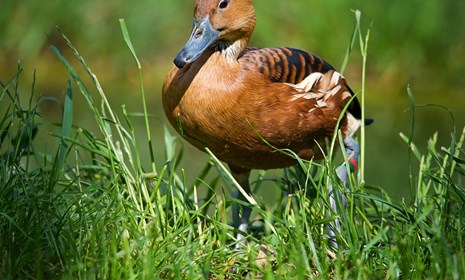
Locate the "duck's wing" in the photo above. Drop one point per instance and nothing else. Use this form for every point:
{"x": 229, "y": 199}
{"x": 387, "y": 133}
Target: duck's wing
{"x": 291, "y": 66}
{"x": 284, "y": 65}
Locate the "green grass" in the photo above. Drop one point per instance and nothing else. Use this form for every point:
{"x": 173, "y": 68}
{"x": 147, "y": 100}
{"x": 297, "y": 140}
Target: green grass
{"x": 85, "y": 207}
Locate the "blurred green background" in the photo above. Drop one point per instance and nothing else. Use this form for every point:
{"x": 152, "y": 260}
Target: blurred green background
{"x": 420, "y": 43}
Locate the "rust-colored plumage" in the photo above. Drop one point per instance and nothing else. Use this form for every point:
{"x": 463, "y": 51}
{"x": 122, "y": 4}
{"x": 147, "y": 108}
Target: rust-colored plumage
{"x": 230, "y": 98}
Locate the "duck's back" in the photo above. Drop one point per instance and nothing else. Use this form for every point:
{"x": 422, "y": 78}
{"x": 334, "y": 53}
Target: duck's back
{"x": 289, "y": 65}
{"x": 284, "y": 65}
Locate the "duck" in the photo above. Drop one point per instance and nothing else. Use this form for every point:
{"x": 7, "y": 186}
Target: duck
{"x": 245, "y": 104}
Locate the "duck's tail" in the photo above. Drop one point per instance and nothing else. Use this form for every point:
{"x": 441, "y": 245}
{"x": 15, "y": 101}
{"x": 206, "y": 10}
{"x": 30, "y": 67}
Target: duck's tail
{"x": 355, "y": 109}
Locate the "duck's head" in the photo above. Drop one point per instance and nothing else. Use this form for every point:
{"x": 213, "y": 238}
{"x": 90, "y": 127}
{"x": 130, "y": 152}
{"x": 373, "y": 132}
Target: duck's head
{"x": 217, "y": 23}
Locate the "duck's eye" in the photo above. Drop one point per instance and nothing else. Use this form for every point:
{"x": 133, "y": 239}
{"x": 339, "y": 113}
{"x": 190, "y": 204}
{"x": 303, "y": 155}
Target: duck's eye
{"x": 223, "y": 4}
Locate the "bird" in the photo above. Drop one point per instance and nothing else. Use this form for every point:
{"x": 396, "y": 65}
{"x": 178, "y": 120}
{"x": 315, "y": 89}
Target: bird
{"x": 245, "y": 104}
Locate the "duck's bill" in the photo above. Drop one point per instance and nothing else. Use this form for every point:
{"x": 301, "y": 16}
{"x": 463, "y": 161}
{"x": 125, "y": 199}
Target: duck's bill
{"x": 203, "y": 35}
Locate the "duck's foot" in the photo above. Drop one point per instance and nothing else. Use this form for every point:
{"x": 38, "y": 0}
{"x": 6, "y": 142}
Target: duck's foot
{"x": 240, "y": 222}
{"x": 240, "y": 237}
{"x": 352, "y": 150}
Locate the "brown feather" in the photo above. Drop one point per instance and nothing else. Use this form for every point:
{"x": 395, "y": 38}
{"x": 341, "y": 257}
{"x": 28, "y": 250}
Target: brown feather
{"x": 230, "y": 104}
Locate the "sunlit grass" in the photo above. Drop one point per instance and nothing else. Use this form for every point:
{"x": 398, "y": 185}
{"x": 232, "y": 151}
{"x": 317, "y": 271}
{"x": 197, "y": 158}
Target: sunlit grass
{"x": 86, "y": 207}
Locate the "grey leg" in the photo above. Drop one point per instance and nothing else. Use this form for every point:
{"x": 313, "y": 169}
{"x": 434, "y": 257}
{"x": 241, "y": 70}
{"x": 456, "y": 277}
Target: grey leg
{"x": 241, "y": 221}
{"x": 352, "y": 150}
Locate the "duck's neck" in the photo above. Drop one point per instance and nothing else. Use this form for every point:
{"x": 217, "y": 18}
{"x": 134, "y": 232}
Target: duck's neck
{"x": 231, "y": 50}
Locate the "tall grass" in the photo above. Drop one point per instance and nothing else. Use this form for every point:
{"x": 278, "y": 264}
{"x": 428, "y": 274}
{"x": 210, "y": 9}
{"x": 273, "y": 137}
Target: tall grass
{"x": 86, "y": 208}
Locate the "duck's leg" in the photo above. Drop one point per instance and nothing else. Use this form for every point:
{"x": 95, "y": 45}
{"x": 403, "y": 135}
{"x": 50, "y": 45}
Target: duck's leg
{"x": 241, "y": 221}
{"x": 352, "y": 150}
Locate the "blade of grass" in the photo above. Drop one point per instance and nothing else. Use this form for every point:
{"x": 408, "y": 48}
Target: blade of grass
{"x": 127, "y": 39}
{"x": 224, "y": 171}
{"x": 364, "y": 51}
{"x": 66, "y": 125}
